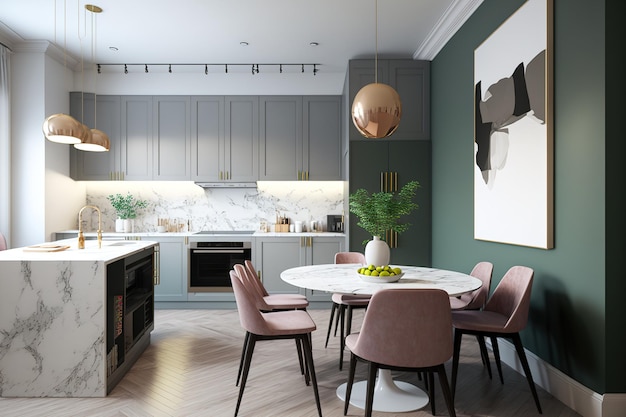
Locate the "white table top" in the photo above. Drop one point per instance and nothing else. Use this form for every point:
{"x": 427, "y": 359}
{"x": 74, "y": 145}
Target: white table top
{"x": 343, "y": 278}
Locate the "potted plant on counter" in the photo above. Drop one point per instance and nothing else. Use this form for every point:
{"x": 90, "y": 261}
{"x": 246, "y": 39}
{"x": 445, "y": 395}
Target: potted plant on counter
{"x": 126, "y": 208}
{"x": 381, "y": 212}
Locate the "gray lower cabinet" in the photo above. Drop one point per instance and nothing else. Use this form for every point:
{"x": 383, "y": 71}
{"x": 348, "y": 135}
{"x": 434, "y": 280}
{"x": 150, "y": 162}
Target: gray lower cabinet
{"x": 300, "y": 138}
{"x": 410, "y": 78}
{"x": 173, "y": 258}
{"x": 171, "y": 138}
{"x": 277, "y": 254}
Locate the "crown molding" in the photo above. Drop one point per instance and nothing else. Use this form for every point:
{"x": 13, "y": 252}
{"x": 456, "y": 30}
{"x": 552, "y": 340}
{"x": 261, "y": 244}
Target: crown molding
{"x": 17, "y": 44}
{"x": 451, "y": 21}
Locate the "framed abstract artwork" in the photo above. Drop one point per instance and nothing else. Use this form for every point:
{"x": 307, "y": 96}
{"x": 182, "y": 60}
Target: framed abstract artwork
{"x": 513, "y": 130}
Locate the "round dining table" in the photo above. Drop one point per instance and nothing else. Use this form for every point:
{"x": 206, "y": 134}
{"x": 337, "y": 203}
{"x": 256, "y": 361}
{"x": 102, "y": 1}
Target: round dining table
{"x": 389, "y": 395}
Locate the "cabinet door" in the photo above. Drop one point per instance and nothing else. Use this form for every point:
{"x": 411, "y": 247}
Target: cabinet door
{"x": 322, "y": 250}
{"x": 411, "y": 79}
{"x": 273, "y": 256}
{"x": 241, "y": 149}
{"x": 172, "y": 270}
{"x": 136, "y": 137}
{"x": 171, "y": 139}
{"x": 321, "y": 139}
{"x": 281, "y": 138}
{"x": 207, "y": 138}
{"x": 105, "y": 116}
{"x": 408, "y": 160}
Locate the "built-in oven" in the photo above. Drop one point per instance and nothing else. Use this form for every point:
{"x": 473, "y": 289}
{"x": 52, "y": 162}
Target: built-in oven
{"x": 211, "y": 260}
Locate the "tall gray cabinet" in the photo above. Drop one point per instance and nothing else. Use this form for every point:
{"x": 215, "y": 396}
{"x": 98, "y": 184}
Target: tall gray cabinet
{"x": 405, "y": 155}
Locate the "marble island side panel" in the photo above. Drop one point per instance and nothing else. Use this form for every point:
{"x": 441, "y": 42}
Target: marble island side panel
{"x": 52, "y": 329}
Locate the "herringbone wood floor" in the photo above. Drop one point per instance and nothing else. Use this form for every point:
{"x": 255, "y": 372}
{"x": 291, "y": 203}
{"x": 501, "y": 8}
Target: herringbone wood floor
{"x": 190, "y": 368}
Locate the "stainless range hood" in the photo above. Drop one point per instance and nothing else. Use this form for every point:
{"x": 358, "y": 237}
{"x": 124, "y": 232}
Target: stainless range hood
{"x": 226, "y": 184}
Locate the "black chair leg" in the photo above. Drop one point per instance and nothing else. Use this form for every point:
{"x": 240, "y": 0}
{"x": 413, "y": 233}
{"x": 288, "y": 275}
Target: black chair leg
{"x": 483, "y": 353}
{"x": 342, "y": 336}
{"x": 243, "y": 354}
{"x": 308, "y": 354}
{"x": 330, "y": 323}
{"x": 246, "y": 369}
{"x": 496, "y": 355}
{"x": 445, "y": 389}
{"x": 458, "y": 335}
{"x": 431, "y": 390}
{"x": 350, "y": 382}
{"x": 517, "y": 341}
{"x": 371, "y": 381}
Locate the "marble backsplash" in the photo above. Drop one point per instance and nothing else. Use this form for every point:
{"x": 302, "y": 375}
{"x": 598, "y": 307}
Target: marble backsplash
{"x": 218, "y": 208}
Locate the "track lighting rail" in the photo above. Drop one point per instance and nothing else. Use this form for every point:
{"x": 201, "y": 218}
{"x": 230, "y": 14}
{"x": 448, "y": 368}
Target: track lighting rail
{"x": 255, "y": 68}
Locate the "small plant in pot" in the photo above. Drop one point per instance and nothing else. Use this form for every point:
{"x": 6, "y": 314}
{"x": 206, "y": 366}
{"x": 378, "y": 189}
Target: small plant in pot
{"x": 126, "y": 207}
{"x": 379, "y": 213}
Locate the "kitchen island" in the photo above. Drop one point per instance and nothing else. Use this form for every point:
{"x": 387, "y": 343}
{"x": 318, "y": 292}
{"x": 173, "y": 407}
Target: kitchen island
{"x": 73, "y": 321}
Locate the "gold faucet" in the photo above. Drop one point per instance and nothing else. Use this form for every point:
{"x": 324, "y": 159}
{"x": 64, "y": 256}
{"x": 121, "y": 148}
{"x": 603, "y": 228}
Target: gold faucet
{"x": 81, "y": 238}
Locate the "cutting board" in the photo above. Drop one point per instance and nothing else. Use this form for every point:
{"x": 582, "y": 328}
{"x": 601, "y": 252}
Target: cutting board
{"x": 45, "y": 248}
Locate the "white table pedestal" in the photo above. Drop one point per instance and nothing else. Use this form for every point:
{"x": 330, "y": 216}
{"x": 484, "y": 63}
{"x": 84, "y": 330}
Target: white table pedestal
{"x": 389, "y": 396}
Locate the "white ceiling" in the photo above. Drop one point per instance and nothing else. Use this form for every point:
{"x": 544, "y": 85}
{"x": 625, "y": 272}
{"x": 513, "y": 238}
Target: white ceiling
{"x": 210, "y": 31}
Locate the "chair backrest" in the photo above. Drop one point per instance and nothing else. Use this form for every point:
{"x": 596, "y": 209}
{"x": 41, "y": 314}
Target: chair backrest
{"x": 407, "y": 328}
{"x": 477, "y": 299}
{"x": 349, "y": 258}
{"x": 258, "y": 284}
{"x": 250, "y": 317}
{"x": 250, "y": 282}
{"x": 511, "y": 298}
{"x": 3, "y": 242}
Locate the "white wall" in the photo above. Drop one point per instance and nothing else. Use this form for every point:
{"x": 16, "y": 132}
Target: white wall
{"x": 43, "y": 198}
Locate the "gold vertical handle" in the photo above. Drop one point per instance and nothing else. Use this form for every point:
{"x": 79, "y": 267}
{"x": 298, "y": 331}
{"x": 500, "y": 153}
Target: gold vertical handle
{"x": 157, "y": 265}
{"x": 395, "y": 181}
{"x": 310, "y": 241}
{"x": 382, "y": 187}
{"x": 307, "y": 175}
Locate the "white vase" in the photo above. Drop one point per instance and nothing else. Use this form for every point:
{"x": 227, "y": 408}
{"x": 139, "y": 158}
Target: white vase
{"x": 119, "y": 225}
{"x": 377, "y": 252}
{"x": 128, "y": 226}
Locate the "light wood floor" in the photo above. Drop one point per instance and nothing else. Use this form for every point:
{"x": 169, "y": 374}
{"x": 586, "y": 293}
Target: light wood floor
{"x": 190, "y": 368}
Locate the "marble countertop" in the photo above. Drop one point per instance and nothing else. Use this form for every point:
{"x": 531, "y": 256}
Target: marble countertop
{"x": 111, "y": 250}
{"x": 109, "y": 235}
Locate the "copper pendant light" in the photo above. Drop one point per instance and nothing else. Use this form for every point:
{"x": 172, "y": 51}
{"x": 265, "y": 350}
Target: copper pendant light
{"x": 63, "y": 128}
{"x": 376, "y": 109}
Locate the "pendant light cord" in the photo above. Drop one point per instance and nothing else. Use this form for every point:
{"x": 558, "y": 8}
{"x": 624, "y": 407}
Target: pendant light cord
{"x": 376, "y": 45}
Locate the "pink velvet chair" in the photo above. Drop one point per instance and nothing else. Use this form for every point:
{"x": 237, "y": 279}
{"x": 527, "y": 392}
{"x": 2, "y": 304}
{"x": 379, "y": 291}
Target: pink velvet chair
{"x": 267, "y": 304}
{"x": 292, "y": 324}
{"x": 270, "y": 302}
{"x": 504, "y": 315}
{"x": 408, "y": 330}
{"x": 476, "y": 300}
{"x": 344, "y": 304}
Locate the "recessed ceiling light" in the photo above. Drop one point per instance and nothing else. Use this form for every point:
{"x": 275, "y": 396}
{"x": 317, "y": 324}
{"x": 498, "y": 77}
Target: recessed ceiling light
{"x": 314, "y": 44}
{"x": 113, "y": 48}
{"x": 243, "y": 43}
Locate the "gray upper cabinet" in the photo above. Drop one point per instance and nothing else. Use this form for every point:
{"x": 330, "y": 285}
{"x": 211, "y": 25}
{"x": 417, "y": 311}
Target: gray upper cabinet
{"x": 207, "y": 138}
{"x": 280, "y": 138}
{"x": 224, "y": 138}
{"x": 321, "y": 139}
{"x": 300, "y": 138}
{"x": 241, "y": 144}
{"x": 136, "y": 138}
{"x": 171, "y": 138}
{"x": 105, "y": 116}
{"x": 411, "y": 79}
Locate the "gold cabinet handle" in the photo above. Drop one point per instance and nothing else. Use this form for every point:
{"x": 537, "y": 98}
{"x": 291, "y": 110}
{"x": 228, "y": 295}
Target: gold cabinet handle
{"x": 157, "y": 265}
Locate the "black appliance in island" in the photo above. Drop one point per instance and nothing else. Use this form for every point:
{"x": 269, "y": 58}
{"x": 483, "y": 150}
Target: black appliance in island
{"x": 212, "y": 259}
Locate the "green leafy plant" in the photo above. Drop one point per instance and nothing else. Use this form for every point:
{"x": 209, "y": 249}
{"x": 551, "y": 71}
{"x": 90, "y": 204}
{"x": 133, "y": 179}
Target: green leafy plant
{"x": 379, "y": 212}
{"x": 126, "y": 206}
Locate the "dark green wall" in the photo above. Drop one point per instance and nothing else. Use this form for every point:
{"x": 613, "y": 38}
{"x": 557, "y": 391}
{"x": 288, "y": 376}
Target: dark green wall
{"x": 569, "y": 325}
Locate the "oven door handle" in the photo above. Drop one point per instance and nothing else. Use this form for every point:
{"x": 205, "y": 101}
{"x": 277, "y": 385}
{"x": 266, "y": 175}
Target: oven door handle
{"x": 194, "y": 251}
